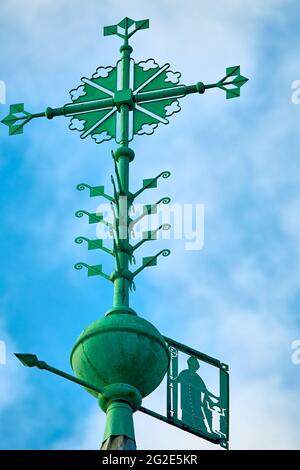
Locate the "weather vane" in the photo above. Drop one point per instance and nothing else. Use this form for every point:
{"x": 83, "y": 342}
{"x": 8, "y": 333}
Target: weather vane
{"x": 122, "y": 358}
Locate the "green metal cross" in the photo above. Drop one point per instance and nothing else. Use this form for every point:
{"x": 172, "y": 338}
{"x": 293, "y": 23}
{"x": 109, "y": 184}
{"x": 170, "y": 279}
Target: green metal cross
{"x": 119, "y": 103}
{"x": 148, "y": 93}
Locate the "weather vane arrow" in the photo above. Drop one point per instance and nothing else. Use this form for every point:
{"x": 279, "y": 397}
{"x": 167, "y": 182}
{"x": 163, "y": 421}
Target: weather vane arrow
{"x": 31, "y": 360}
{"x": 122, "y": 358}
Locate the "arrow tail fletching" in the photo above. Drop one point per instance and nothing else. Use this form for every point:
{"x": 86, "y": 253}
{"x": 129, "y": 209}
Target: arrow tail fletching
{"x": 18, "y": 118}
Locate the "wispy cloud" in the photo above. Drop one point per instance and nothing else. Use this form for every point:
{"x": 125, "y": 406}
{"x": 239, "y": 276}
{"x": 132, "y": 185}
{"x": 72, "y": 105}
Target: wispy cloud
{"x": 13, "y": 383}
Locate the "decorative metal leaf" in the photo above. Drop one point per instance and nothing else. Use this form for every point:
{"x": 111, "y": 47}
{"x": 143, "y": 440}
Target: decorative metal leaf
{"x": 94, "y": 190}
{"x": 150, "y": 209}
{"x": 94, "y": 218}
{"x": 92, "y": 270}
{"x": 97, "y": 191}
{"x": 150, "y": 183}
{"x": 149, "y": 235}
{"x": 92, "y": 244}
{"x": 149, "y": 261}
{"x": 95, "y": 244}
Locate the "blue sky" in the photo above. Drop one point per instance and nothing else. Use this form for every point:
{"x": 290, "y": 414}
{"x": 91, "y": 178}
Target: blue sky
{"x": 236, "y": 299}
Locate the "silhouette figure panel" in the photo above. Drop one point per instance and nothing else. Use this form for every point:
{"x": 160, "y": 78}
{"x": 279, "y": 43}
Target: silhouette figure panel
{"x": 196, "y": 401}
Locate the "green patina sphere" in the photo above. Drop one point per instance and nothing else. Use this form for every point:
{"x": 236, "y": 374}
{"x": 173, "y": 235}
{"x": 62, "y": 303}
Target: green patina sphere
{"x": 121, "y": 348}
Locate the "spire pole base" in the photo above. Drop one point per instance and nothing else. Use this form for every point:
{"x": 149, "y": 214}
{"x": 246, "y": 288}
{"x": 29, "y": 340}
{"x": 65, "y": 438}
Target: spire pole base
{"x": 119, "y": 401}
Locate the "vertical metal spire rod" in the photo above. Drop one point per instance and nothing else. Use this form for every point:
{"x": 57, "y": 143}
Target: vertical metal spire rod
{"x": 119, "y": 431}
{"x": 123, "y": 155}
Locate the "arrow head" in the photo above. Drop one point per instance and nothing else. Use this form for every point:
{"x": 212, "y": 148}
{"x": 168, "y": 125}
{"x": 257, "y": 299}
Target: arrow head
{"x": 28, "y": 360}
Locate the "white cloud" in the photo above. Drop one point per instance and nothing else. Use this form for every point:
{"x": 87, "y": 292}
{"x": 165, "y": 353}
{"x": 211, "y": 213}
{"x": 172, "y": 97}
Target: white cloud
{"x": 87, "y": 433}
{"x": 13, "y": 384}
{"x": 264, "y": 416}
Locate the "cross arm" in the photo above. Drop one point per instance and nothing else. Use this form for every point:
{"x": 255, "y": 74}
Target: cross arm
{"x": 72, "y": 109}
{"x": 231, "y": 84}
{"x": 18, "y": 117}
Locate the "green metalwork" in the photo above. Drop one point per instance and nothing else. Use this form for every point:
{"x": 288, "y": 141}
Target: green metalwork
{"x": 95, "y": 191}
{"x": 141, "y": 94}
{"x": 126, "y": 28}
{"x": 94, "y": 244}
{"x": 150, "y": 94}
{"x": 94, "y": 218}
{"x": 150, "y": 235}
{"x": 119, "y": 420}
{"x": 31, "y": 360}
{"x": 150, "y": 261}
{"x": 18, "y": 118}
{"x": 122, "y": 355}
{"x": 149, "y": 209}
{"x": 151, "y": 183}
{"x": 200, "y": 410}
{"x": 93, "y": 270}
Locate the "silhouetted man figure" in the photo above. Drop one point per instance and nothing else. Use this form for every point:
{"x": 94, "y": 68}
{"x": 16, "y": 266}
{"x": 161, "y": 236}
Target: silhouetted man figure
{"x": 194, "y": 397}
